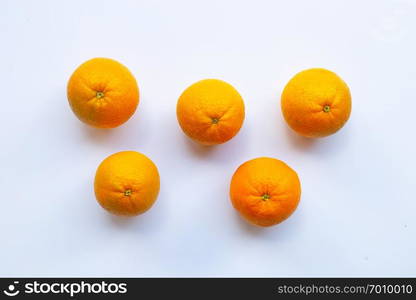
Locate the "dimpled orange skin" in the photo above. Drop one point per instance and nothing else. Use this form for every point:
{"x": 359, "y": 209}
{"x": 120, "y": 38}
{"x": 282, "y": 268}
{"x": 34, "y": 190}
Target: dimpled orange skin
{"x": 265, "y": 191}
{"x": 103, "y": 93}
{"x": 127, "y": 183}
{"x": 316, "y": 103}
{"x": 210, "y": 111}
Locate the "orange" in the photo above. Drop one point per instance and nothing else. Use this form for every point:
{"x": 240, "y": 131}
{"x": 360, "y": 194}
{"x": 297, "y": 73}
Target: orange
{"x": 126, "y": 183}
{"x": 103, "y": 93}
{"x": 210, "y": 111}
{"x": 265, "y": 191}
{"x": 316, "y": 103}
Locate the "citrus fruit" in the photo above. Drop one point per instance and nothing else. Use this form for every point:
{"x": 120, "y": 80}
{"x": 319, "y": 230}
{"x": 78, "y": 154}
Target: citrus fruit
{"x": 265, "y": 191}
{"x": 210, "y": 111}
{"x": 316, "y": 103}
{"x": 103, "y": 93}
{"x": 126, "y": 183}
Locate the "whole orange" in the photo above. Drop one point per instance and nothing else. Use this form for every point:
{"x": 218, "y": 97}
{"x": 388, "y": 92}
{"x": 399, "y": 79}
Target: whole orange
{"x": 103, "y": 93}
{"x": 210, "y": 111}
{"x": 126, "y": 183}
{"x": 316, "y": 103}
{"x": 265, "y": 191}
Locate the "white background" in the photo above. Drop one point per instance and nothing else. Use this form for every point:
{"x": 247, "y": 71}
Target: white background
{"x": 357, "y": 212}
